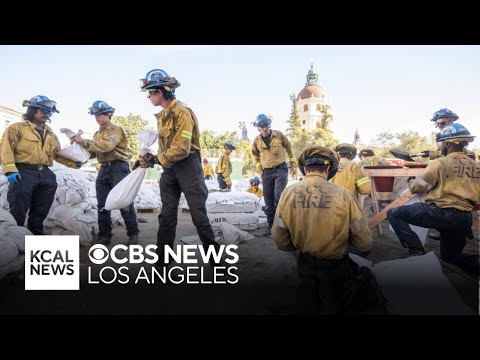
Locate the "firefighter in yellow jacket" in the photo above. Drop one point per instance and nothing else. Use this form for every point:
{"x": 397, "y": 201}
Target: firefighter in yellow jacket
{"x": 224, "y": 168}
{"x": 207, "y": 170}
{"x": 452, "y": 187}
{"x": 269, "y": 149}
{"x": 368, "y": 158}
{"x": 179, "y": 155}
{"x": 110, "y": 147}
{"x": 350, "y": 175}
{"x": 27, "y": 149}
{"x": 320, "y": 219}
{"x": 254, "y": 187}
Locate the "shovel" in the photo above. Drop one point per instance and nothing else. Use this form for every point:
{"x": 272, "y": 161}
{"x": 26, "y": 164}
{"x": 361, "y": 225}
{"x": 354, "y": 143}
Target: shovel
{"x": 399, "y": 154}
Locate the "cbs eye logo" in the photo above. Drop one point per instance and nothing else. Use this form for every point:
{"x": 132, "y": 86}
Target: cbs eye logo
{"x": 98, "y": 254}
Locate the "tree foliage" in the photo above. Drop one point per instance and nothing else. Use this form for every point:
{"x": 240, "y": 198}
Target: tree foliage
{"x": 409, "y": 141}
{"x": 132, "y": 124}
{"x": 209, "y": 140}
{"x": 294, "y": 120}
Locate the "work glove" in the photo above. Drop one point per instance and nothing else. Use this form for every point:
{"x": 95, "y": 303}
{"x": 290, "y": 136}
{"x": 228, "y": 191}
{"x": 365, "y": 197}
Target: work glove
{"x": 425, "y": 153}
{"x": 149, "y": 160}
{"x": 14, "y": 177}
{"x": 136, "y": 164}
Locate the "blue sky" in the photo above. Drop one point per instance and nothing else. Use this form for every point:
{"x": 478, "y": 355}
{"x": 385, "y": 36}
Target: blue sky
{"x": 372, "y": 88}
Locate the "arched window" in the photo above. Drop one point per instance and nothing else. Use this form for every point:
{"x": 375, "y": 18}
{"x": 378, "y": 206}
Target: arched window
{"x": 319, "y": 107}
{"x": 305, "y": 107}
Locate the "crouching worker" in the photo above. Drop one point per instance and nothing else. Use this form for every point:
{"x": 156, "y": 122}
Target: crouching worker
{"x": 316, "y": 217}
{"x": 27, "y": 149}
{"x": 224, "y": 168}
{"x": 109, "y": 146}
{"x": 207, "y": 170}
{"x": 254, "y": 189}
{"x": 452, "y": 187}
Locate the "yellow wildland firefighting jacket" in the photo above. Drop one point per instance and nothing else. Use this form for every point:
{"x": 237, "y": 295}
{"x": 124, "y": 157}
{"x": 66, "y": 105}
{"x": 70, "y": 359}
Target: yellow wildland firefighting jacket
{"x": 257, "y": 191}
{"x": 178, "y": 133}
{"x": 315, "y": 217}
{"x": 208, "y": 170}
{"x": 267, "y": 158}
{"x": 108, "y": 144}
{"x": 350, "y": 176}
{"x": 224, "y": 166}
{"x": 22, "y": 144}
{"x": 452, "y": 181}
{"x": 374, "y": 161}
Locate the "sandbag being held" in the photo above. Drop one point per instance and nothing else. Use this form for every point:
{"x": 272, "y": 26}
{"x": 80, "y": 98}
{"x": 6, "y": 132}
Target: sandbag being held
{"x": 124, "y": 193}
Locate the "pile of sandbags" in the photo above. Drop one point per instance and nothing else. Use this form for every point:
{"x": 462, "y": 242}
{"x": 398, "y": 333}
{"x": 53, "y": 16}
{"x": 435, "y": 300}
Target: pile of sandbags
{"x": 212, "y": 185}
{"x": 12, "y": 244}
{"x": 241, "y": 185}
{"x": 148, "y": 197}
{"x": 232, "y": 202}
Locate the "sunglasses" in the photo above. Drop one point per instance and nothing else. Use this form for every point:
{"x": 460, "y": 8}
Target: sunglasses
{"x": 440, "y": 124}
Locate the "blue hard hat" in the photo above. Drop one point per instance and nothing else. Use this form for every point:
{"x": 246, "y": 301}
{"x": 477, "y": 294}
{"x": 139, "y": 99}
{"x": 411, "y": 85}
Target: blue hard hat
{"x": 444, "y": 113}
{"x": 42, "y": 102}
{"x": 158, "y": 78}
{"x": 100, "y": 107}
{"x": 454, "y": 132}
{"x": 255, "y": 180}
{"x": 230, "y": 145}
{"x": 262, "y": 120}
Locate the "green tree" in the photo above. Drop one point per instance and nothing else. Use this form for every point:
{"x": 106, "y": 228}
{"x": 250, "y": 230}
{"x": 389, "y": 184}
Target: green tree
{"x": 209, "y": 140}
{"x": 412, "y": 142}
{"x": 409, "y": 141}
{"x": 132, "y": 124}
{"x": 248, "y": 162}
{"x": 303, "y": 138}
{"x": 294, "y": 120}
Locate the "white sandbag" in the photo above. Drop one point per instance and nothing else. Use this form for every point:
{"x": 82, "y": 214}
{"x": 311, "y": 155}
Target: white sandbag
{"x": 243, "y": 221}
{"x": 73, "y": 197}
{"x": 124, "y": 193}
{"x": 232, "y": 235}
{"x": 17, "y": 235}
{"x": 70, "y": 133}
{"x": 14, "y": 265}
{"x": 8, "y": 251}
{"x": 232, "y": 202}
{"x": 212, "y": 185}
{"x": 417, "y": 286}
{"x": 126, "y": 190}
{"x": 6, "y": 217}
{"x": 75, "y": 152}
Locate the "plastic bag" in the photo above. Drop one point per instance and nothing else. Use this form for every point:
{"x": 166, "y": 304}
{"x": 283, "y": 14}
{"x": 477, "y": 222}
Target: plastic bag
{"x": 124, "y": 193}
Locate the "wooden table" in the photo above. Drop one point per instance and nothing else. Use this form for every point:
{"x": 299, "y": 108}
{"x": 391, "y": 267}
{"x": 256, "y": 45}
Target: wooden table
{"x": 379, "y": 216}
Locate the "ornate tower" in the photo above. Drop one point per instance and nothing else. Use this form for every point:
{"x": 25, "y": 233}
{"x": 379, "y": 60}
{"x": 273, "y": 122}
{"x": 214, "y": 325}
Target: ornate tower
{"x": 314, "y": 109}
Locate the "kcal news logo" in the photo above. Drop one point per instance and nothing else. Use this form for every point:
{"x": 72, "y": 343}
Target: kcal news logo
{"x": 52, "y": 262}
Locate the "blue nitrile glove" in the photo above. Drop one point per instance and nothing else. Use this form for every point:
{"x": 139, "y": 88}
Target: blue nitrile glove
{"x": 14, "y": 177}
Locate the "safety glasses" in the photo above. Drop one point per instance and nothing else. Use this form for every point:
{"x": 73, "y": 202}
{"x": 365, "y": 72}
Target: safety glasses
{"x": 46, "y": 112}
{"x": 442, "y": 123}
{"x": 151, "y": 92}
